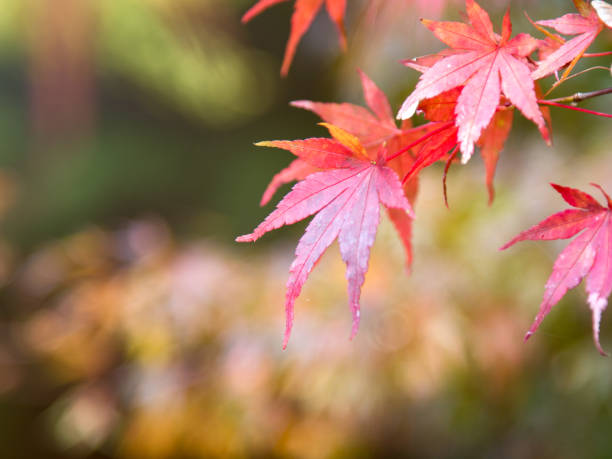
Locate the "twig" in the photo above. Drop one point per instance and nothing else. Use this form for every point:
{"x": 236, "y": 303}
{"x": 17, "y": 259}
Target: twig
{"x": 580, "y": 96}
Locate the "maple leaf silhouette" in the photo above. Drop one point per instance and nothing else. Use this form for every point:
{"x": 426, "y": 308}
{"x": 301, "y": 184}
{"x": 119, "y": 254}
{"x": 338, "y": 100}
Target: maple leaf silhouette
{"x": 303, "y": 15}
{"x": 345, "y": 197}
{"x": 486, "y": 65}
{"x": 589, "y": 255}
{"x": 586, "y": 26}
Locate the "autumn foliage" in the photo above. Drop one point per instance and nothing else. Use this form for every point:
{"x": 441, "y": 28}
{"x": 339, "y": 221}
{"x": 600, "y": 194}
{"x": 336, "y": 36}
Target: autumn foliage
{"x": 588, "y": 256}
{"x": 466, "y": 97}
{"x": 304, "y": 14}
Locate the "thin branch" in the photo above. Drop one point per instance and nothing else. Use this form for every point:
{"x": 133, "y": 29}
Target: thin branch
{"x": 580, "y": 96}
{"x": 582, "y": 72}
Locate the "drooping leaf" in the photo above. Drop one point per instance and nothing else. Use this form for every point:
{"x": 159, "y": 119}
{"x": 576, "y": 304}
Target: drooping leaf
{"x": 586, "y": 26}
{"x": 440, "y": 110}
{"x": 303, "y": 15}
{"x": 492, "y": 142}
{"x": 345, "y": 197}
{"x": 589, "y": 255}
{"x": 486, "y": 65}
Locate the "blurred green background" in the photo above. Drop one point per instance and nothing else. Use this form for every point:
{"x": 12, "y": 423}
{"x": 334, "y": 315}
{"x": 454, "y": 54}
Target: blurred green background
{"x": 133, "y": 326}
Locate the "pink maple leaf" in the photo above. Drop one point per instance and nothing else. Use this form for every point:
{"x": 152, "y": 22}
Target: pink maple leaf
{"x": 486, "y": 65}
{"x": 586, "y": 26}
{"x": 589, "y": 255}
{"x": 373, "y": 128}
{"x": 345, "y": 197}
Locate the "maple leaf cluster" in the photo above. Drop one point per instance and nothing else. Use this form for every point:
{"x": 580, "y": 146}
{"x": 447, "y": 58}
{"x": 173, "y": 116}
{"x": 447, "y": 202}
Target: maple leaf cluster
{"x": 467, "y": 93}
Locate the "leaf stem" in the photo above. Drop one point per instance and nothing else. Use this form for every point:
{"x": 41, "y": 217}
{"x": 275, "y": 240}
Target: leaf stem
{"x": 446, "y": 168}
{"x": 570, "y": 107}
{"x": 419, "y": 140}
{"x": 605, "y": 53}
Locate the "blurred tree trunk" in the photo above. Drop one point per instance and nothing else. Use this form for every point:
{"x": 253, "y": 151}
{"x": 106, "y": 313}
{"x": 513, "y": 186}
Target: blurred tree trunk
{"x": 61, "y": 71}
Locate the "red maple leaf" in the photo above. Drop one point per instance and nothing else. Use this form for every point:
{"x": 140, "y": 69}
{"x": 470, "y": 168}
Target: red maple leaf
{"x": 442, "y": 146}
{"x": 373, "y": 128}
{"x": 586, "y": 26}
{"x": 442, "y": 108}
{"x": 486, "y": 65}
{"x": 589, "y": 255}
{"x": 303, "y": 15}
{"x": 345, "y": 197}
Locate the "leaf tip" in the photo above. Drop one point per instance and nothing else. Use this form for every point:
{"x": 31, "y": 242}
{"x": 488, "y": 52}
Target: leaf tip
{"x": 598, "y": 304}
{"x": 246, "y": 17}
{"x": 527, "y": 336}
{"x": 289, "y": 315}
{"x": 245, "y": 238}
{"x": 356, "y": 318}
{"x": 548, "y": 139}
{"x": 506, "y": 245}
{"x": 427, "y": 22}
{"x": 558, "y": 188}
{"x": 600, "y": 350}
{"x": 286, "y": 336}
{"x": 306, "y": 104}
{"x": 491, "y": 192}
{"x": 606, "y": 195}
{"x": 407, "y": 111}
